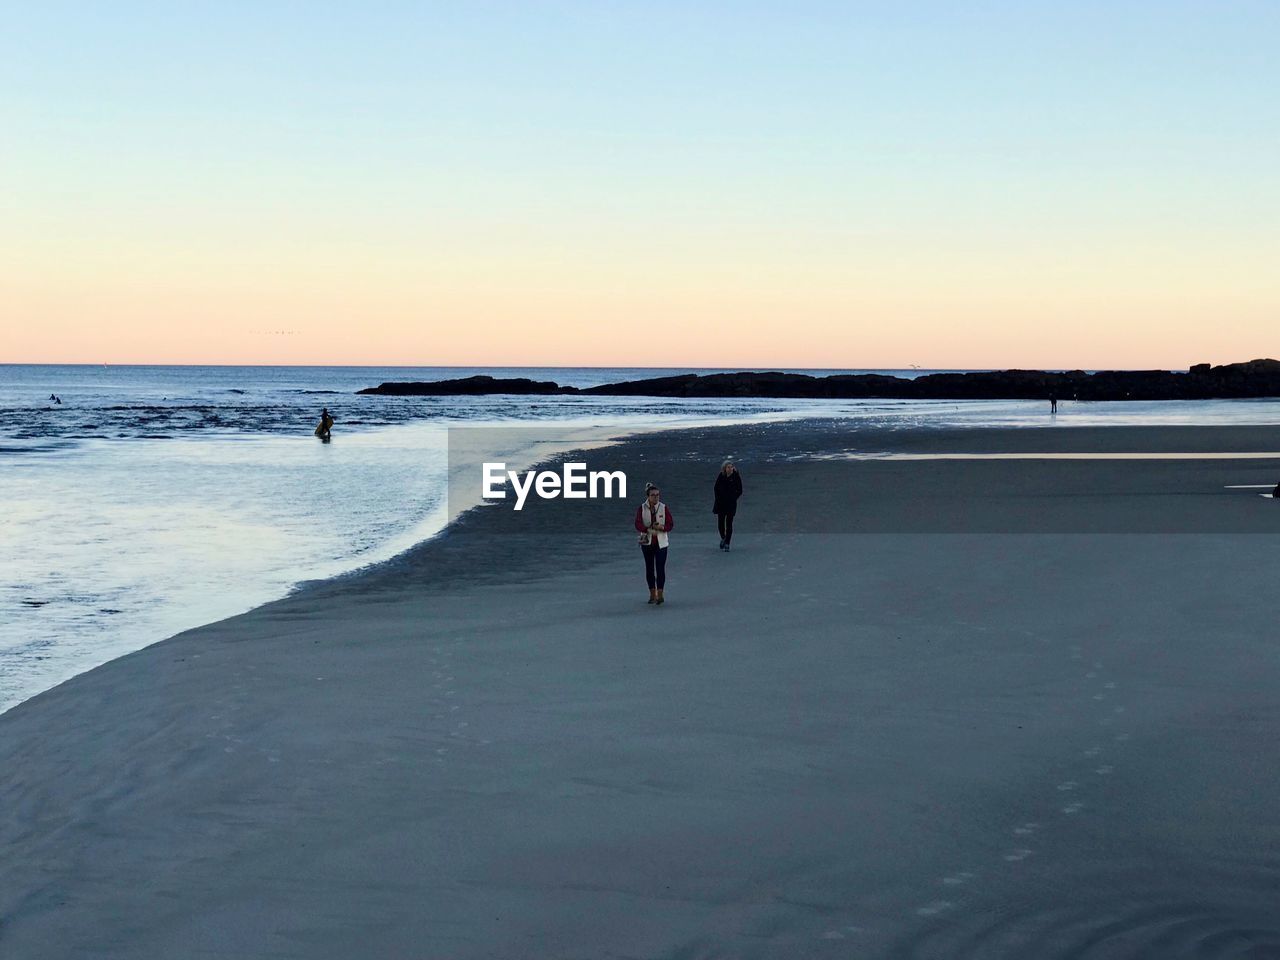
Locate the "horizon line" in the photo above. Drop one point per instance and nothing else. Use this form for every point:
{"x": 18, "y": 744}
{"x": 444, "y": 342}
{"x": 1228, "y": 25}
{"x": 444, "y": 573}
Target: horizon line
{"x": 745, "y": 368}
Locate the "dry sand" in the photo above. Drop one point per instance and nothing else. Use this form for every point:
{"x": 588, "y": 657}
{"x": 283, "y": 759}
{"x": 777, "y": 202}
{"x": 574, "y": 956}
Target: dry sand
{"x": 924, "y": 709}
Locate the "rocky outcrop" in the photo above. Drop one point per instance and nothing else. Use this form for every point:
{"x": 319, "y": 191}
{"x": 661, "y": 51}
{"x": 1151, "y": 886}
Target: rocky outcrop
{"x": 1256, "y": 378}
{"x": 482, "y": 384}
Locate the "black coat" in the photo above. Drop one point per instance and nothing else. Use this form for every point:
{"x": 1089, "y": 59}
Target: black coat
{"x": 728, "y": 490}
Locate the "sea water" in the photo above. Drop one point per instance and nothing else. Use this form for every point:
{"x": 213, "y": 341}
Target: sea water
{"x": 154, "y": 499}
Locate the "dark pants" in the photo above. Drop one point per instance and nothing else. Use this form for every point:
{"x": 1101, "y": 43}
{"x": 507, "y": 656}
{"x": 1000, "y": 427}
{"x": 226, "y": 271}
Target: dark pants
{"x": 655, "y": 564}
{"x": 726, "y": 526}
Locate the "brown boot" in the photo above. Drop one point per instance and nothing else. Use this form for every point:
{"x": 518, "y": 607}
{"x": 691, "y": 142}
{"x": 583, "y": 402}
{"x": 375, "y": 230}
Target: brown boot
{"x": 653, "y": 595}
{"x": 659, "y": 600}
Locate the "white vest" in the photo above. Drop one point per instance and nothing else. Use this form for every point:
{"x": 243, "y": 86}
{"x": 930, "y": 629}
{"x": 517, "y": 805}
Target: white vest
{"x": 646, "y": 517}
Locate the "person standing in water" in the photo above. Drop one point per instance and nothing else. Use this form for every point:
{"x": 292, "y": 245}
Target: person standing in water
{"x": 1053, "y": 403}
{"x": 728, "y": 490}
{"x": 654, "y": 522}
{"x": 326, "y": 424}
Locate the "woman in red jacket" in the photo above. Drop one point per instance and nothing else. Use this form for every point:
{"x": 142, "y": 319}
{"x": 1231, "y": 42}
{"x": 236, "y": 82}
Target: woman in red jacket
{"x": 654, "y": 522}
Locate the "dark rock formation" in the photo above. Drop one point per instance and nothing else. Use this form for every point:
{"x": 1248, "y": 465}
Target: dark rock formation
{"x": 468, "y": 386}
{"x": 1257, "y": 378}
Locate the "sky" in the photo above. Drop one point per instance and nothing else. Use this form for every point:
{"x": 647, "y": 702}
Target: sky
{"x": 793, "y": 184}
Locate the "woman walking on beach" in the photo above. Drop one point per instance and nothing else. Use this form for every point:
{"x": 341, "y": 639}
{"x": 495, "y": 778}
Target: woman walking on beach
{"x": 653, "y": 523}
{"x": 728, "y": 490}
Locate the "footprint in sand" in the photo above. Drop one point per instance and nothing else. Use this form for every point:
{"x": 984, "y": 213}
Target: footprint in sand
{"x": 934, "y": 908}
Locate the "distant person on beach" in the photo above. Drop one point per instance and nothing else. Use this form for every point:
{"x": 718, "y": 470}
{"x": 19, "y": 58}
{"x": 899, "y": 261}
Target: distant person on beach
{"x": 653, "y": 523}
{"x": 326, "y": 424}
{"x": 1053, "y": 403}
{"x": 728, "y": 490}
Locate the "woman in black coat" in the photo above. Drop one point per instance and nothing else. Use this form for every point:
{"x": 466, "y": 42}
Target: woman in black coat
{"x": 728, "y": 490}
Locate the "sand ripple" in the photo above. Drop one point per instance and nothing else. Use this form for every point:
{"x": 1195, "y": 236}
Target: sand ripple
{"x": 1133, "y": 930}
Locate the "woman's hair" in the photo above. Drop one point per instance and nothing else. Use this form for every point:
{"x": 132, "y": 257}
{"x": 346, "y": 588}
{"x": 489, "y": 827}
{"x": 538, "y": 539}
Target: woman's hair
{"x": 727, "y": 463}
{"x": 648, "y": 487}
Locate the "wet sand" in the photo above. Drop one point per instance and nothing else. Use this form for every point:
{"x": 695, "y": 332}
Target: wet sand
{"x": 923, "y": 709}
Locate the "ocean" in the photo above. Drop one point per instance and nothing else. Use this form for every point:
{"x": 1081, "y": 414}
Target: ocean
{"x": 156, "y": 498}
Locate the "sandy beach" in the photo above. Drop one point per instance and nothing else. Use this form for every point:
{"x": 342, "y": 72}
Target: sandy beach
{"x": 926, "y": 708}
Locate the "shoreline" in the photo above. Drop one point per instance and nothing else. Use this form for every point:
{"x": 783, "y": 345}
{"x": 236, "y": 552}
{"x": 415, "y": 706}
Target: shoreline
{"x": 569, "y": 436}
{"x": 582, "y": 438}
{"x": 794, "y": 756}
